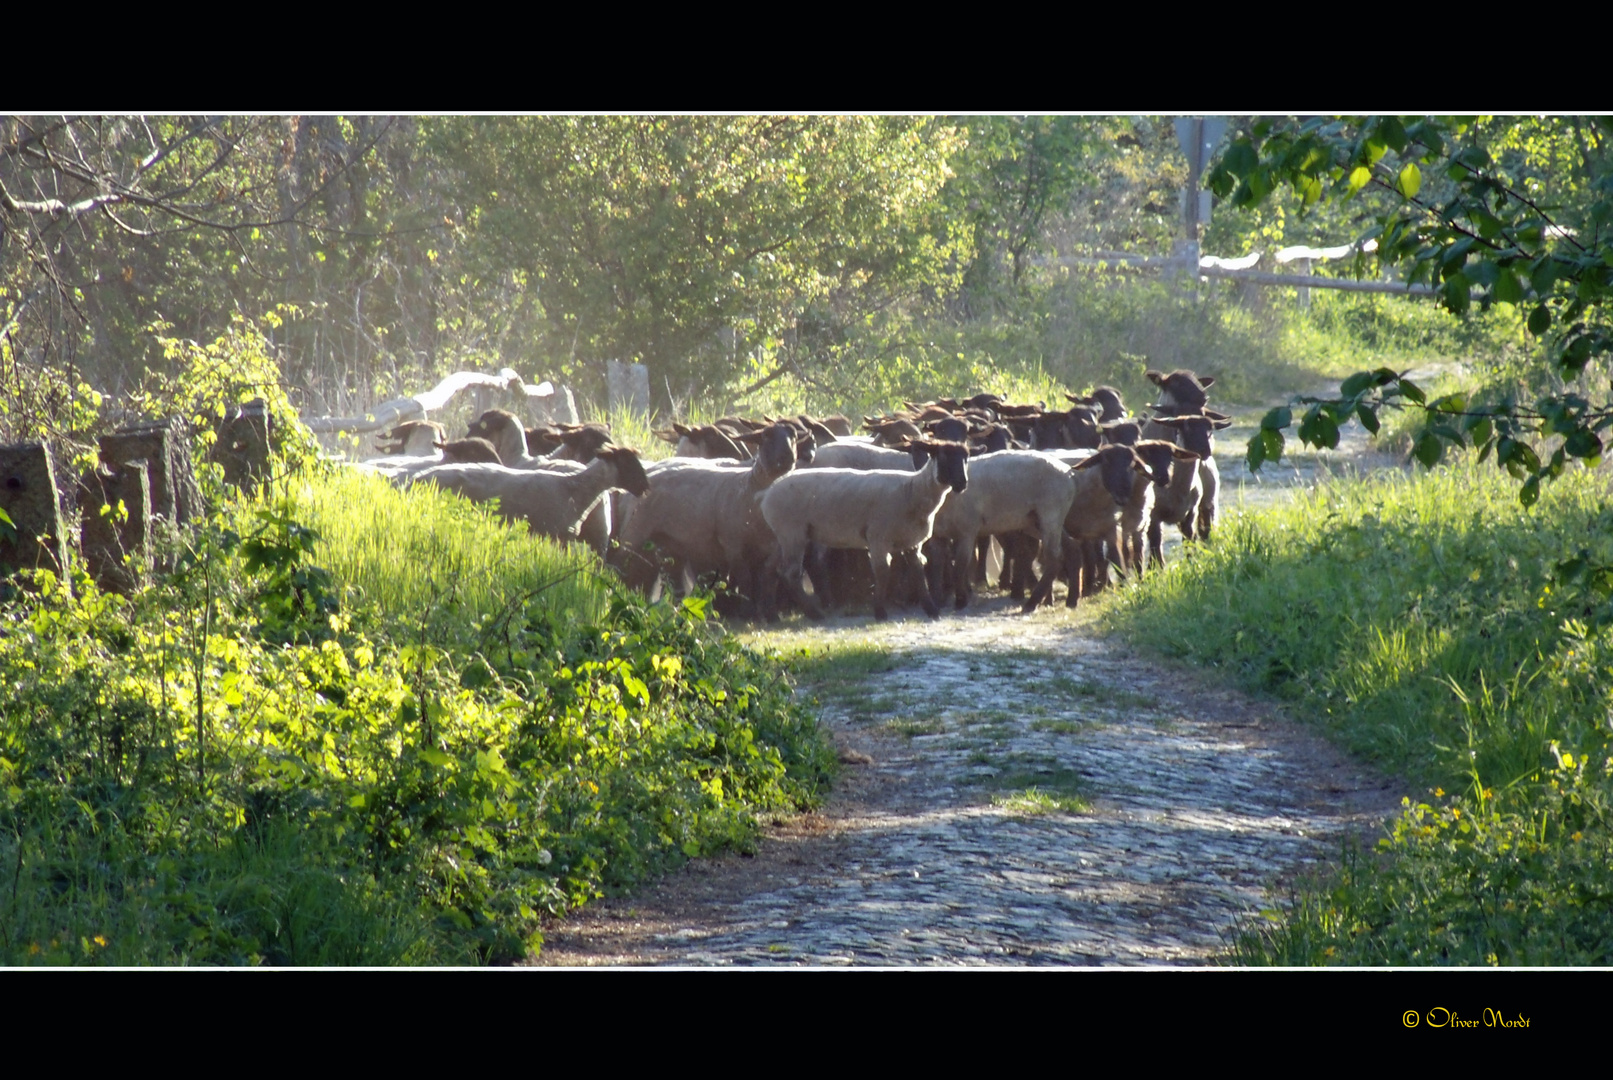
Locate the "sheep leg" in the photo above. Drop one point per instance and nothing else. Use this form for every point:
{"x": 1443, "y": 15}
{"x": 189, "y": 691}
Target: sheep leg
{"x": 915, "y": 564}
{"x": 1073, "y": 558}
{"x": 817, "y": 568}
{"x": 1156, "y": 543}
{"x": 982, "y": 557}
{"x": 879, "y": 561}
{"x": 1052, "y": 555}
{"x": 790, "y": 559}
{"x": 963, "y": 572}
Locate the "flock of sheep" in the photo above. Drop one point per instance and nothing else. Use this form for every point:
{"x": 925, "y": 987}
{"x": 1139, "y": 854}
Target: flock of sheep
{"x": 764, "y": 504}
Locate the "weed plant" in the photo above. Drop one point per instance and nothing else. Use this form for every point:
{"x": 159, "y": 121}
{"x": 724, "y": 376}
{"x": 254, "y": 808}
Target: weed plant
{"x": 263, "y": 759}
{"x": 1428, "y": 625}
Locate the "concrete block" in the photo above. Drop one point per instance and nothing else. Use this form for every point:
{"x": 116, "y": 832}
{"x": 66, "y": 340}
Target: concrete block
{"x": 29, "y": 497}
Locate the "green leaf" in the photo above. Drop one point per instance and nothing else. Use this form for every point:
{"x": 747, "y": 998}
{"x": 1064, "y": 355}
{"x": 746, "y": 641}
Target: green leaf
{"x": 1279, "y": 417}
{"x": 1357, "y": 383}
{"x": 1410, "y": 180}
{"x": 1540, "y": 320}
{"x": 1508, "y": 289}
{"x": 1369, "y": 417}
{"x": 1428, "y": 450}
{"x": 1583, "y": 443}
{"x": 1240, "y": 159}
{"x": 1408, "y": 388}
{"x": 1392, "y": 132}
{"x": 1529, "y": 494}
{"x": 1256, "y": 453}
{"x": 1456, "y": 293}
{"x": 1360, "y": 177}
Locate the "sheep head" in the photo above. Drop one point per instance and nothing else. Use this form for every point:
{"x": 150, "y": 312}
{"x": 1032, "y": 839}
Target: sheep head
{"x": 951, "y": 460}
{"x": 630, "y": 475}
{"x": 1182, "y": 389}
{"x": 1116, "y": 464}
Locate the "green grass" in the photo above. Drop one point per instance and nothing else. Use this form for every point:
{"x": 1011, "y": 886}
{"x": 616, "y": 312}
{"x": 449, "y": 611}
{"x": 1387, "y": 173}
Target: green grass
{"x": 1034, "y": 802}
{"x": 423, "y": 557}
{"x": 1421, "y": 622}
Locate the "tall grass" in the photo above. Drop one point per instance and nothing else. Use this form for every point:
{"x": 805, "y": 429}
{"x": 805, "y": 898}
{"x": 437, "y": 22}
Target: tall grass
{"x": 422, "y": 555}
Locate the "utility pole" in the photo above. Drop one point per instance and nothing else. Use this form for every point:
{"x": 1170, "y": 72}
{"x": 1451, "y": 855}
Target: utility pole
{"x": 1198, "y": 136}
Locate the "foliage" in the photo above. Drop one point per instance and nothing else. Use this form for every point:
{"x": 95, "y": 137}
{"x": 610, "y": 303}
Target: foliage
{"x": 1012, "y": 177}
{"x": 243, "y": 765}
{"x": 1493, "y": 230}
{"x": 645, "y": 236}
{"x": 1430, "y": 626}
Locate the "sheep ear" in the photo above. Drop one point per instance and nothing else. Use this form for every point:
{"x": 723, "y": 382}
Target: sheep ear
{"x": 1184, "y": 455}
{"x": 1169, "y": 421}
{"x": 1155, "y": 377}
{"x": 1223, "y": 424}
{"x": 1088, "y": 463}
{"x": 1206, "y": 380}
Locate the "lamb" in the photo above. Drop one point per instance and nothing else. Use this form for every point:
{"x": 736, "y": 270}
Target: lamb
{"x": 552, "y": 502}
{"x": 1195, "y": 431}
{"x": 703, "y": 514}
{"x": 1106, "y": 398}
{"x": 884, "y": 512}
{"x": 1164, "y": 498}
{"x": 706, "y": 441}
{"x": 1103, "y": 487}
{"x": 1009, "y": 492}
{"x": 577, "y": 442}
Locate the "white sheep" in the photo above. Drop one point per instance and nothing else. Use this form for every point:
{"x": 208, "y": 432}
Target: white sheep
{"x": 703, "y": 515}
{"x": 882, "y": 512}
{"x": 553, "y": 502}
{"x": 1009, "y": 491}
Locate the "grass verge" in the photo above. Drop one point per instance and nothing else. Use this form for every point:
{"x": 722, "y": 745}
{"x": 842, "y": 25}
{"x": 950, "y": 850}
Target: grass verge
{"x": 1425, "y": 624}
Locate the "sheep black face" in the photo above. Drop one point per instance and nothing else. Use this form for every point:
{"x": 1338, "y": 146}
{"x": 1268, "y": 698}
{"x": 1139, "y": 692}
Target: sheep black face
{"x": 951, "y": 461}
{"x": 1122, "y": 433}
{"x": 1159, "y": 456}
{"x": 1183, "y": 389}
{"x": 951, "y": 429}
{"x": 630, "y": 475}
{"x": 1116, "y": 464}
{"x": 1196, "y": 432}
{"x": 775, "y": 448}
{"x": 582, "y": 442}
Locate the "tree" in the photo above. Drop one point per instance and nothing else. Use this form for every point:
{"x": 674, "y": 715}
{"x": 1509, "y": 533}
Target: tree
{"x": 646, "y": 236}
{"x": 110, "y": 223}
{"x": 1491, "y": 211}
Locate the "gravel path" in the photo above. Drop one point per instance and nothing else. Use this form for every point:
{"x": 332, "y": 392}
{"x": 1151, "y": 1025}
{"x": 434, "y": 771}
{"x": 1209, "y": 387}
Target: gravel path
{"x": 1165, "y": 810}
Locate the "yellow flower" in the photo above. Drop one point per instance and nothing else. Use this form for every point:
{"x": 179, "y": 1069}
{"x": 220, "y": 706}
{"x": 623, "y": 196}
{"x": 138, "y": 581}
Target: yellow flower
{"x": 1439, "y": 792}
{"x": 99, "y": 940}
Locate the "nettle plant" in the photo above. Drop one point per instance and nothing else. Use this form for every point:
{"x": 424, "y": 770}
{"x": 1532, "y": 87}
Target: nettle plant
{"x": 1511, "y": 227}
